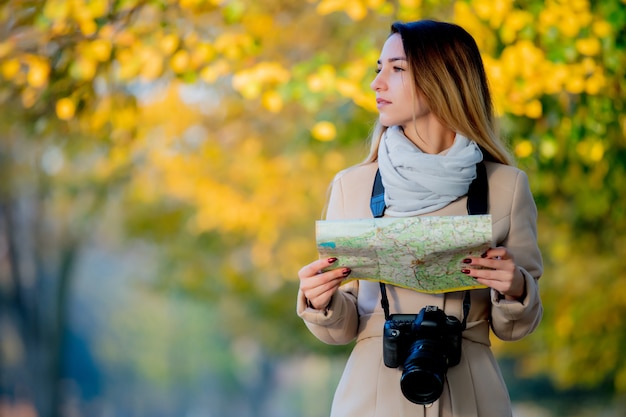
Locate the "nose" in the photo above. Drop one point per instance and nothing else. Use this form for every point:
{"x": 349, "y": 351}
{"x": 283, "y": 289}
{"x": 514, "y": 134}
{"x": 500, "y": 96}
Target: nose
{"x": 377, "y": 83}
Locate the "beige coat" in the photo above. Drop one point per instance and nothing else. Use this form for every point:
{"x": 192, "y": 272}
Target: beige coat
{"x": 475, "y": 386}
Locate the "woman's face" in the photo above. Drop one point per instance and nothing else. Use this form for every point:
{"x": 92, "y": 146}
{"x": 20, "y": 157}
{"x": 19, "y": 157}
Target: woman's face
{"x": 399, "y": 103}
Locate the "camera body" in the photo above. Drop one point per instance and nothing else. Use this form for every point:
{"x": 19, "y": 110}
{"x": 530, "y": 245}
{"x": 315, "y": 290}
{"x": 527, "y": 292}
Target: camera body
{"x": 425, "y": 346}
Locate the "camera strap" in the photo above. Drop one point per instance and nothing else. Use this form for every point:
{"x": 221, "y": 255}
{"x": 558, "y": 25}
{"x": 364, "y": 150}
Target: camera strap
{"x": 477, "y": 203}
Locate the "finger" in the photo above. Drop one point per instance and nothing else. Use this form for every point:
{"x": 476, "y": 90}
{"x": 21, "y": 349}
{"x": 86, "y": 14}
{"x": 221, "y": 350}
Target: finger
{"x": 499, "y": 252}
{"x": 316, "y": 285}
{"x": 315, "y": 267}
{"x": 500, "y": 286}
{"x": 320, "y": 295}
{"x": 497, "y": 279}
{"x": 323, "y": 291}
{"x": 487, "y": 274}
{"x": 496, "y": 263}
{"x": 489, "y": 281}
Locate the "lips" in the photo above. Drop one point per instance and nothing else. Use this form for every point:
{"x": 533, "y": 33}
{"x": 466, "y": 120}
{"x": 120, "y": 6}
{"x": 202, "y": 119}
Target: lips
{"x": 381, "y": 102}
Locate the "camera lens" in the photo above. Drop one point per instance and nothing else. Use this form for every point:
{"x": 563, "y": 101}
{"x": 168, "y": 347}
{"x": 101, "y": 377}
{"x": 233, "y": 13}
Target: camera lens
{"x": 424, "y": 370}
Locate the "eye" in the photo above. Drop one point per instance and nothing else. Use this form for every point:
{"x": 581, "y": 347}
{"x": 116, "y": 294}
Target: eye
{"x": 398, "y": 69}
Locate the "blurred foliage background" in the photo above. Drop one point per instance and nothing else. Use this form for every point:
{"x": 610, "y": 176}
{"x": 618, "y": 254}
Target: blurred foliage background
{"x": 162, "y": 164}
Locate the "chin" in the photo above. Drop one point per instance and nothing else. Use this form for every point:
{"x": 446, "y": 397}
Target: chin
{"x": 386, "y": 122}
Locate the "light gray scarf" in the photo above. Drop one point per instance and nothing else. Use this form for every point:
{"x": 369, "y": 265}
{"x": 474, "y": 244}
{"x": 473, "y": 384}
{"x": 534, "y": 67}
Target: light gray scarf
{"x": 416, "y": 182}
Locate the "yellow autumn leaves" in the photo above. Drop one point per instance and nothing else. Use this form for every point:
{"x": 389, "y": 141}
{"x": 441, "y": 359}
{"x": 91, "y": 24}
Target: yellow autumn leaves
{"x": 350, "y": 82}
{"x": 64, "y": 17}
{"x": 65, "y": 108}
{"x": 553, "y": 51}
{"x": 260, "y": 80}
{"x": 523, "y": 72}
{"x": 30, "y": 71}
{"x": 86, "y": 46}
{"x": 236, "y": 188}
{"x": 356, "y": 9}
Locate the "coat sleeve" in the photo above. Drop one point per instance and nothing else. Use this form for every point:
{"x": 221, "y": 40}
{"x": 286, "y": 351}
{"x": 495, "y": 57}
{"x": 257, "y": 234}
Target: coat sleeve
{"x": 339, "y": 322}
{"x": 512, "y": 320}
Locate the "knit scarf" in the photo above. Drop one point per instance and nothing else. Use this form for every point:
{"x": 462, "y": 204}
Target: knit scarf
{"x": 416, "y": 182}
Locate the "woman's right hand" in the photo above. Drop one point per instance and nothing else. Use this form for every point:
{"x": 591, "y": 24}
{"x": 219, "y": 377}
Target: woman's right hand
{"x": 318, "y": 287}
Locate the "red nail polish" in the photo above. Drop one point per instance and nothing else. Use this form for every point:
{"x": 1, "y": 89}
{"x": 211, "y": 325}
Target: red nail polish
{"x": 331, "y": 260}
{"x": 465, "y": 271}
{"x": 467, "y": 261}
{"x": 346, "y": 272}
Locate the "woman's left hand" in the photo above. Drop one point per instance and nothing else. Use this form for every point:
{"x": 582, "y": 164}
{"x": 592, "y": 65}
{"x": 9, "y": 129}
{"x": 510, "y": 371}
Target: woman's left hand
{"x": 497, "y": 269}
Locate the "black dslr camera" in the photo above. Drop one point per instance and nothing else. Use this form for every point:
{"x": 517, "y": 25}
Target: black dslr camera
{"x": 425, "y": 346}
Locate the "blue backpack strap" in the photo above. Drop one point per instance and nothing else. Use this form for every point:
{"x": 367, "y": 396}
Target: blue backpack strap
{"x": 377, "y": 202}
{"x": 377, "y": 205}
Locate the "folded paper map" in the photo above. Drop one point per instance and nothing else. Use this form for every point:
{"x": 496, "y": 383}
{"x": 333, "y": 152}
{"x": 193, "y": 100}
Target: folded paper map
{"x": 424, "y": 254}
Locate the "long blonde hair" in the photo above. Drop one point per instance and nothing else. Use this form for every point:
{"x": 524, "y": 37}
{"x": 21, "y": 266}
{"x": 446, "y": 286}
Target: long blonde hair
{"x": 448, "y": 70}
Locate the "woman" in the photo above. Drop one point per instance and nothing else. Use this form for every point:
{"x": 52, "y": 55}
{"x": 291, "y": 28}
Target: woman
{"x": 436, "y": 124}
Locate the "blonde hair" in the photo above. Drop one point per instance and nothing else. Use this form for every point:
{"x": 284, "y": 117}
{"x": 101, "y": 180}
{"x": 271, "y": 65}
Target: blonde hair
{"x": 448, "y": 70}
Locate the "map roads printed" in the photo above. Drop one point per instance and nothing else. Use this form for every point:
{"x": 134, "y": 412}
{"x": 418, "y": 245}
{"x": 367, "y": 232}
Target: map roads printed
{"x": 424, "y": 254}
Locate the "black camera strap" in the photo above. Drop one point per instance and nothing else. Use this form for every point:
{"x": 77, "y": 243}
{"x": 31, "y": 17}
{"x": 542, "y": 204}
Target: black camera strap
{"x": 477, "y": 203}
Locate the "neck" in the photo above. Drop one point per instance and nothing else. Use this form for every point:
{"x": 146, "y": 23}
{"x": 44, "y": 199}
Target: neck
{"x": 429, "y": 135}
